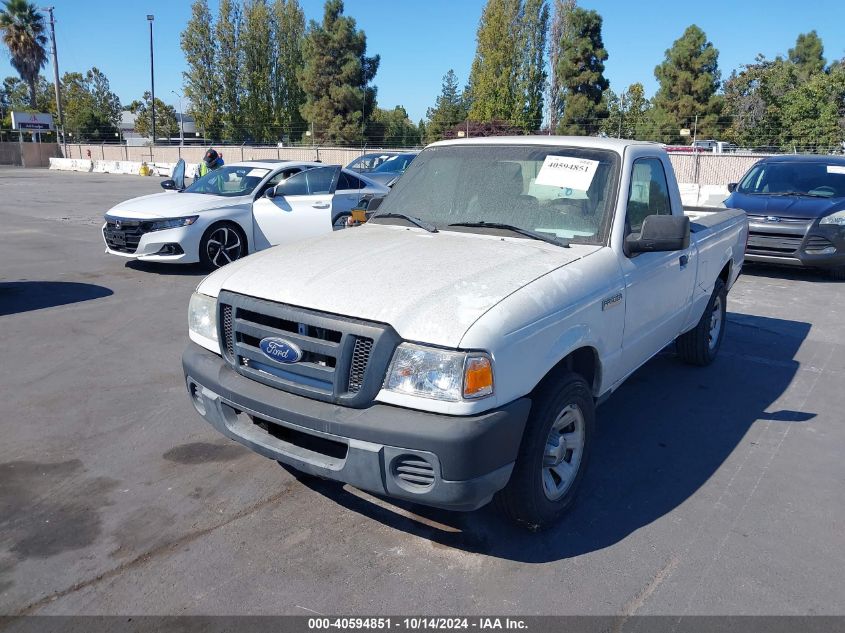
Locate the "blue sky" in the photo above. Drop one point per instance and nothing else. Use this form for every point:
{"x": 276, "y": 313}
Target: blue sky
{"x": 419, "y": 40}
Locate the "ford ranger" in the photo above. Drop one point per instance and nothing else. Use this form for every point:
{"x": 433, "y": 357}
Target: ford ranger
{"x": 454, "y": 348}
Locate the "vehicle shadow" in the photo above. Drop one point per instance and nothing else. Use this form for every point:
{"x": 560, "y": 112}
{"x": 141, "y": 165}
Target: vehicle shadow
{"x": 174, "y": 270}
{"x": 771, "y": 271}
{"x": 25, "y": 296}
{"x": 660, "y": 438}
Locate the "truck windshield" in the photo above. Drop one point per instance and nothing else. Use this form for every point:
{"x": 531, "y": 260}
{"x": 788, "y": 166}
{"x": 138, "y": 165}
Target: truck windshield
{"x": 566, "y": 192}
{"x": 814, "y": 179}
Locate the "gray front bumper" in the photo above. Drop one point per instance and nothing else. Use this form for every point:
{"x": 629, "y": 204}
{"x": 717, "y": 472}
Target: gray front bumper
{"x": 470, "y": 458}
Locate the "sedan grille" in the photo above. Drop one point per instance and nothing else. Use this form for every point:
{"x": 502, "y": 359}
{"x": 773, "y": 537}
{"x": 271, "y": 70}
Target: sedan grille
{"x": 126, "y": 238}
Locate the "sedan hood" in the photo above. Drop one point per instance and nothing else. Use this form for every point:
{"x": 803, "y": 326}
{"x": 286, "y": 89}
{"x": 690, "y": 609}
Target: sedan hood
{"x": 802, "y": 207}
{"x": 383, "y": 177}
{"x": 431, "y": 287}
{"x": 169, "y": 204}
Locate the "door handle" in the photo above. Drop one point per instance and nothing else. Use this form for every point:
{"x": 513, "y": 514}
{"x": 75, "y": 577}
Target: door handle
{"x": 684, "y": 259}
{"x": 321, "y": 205}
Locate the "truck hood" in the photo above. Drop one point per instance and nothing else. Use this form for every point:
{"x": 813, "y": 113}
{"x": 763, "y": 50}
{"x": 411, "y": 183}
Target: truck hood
{"x": 787, "y": 206}
{"x": 431, "y": 287}
{"x": 170, "y": 204}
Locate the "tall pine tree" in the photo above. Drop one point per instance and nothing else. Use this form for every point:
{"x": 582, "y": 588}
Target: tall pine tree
{"x": 335, "y": 77}
{"x": 532, "y": 79}
{"x": 689, "y": 79}
{"x": 449, "y": 109}
{"x": 808, "y": 54}
{"x": 580, "y": 73}
{"x": 229, "y": 65}
{"x": 202, "y": 87}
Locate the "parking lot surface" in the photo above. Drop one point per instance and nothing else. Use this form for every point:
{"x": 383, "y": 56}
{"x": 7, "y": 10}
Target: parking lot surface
{"x": 711, "y": 491}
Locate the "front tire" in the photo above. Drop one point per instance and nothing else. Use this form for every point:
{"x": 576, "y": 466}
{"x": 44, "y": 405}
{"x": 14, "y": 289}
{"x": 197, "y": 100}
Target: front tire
{"x": 701, "y": 344}
{"x": 553, "y": 454}
{"x": 221, "y": 244}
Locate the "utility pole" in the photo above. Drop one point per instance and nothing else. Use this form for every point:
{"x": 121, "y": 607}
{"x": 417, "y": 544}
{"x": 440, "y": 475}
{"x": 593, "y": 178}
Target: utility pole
{"x": 56, "y": 84}
{"x": 150, "y": 19}
{"x": 621, "y": 113}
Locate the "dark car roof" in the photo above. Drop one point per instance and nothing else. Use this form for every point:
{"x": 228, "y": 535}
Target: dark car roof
{"x": 823, "y": 159}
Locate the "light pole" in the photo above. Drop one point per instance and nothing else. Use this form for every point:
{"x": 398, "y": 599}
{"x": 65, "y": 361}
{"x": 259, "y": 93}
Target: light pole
{"x": 150, "y": 19}
{"x": 181, "y": 119}
{"x": 56, "y": 74}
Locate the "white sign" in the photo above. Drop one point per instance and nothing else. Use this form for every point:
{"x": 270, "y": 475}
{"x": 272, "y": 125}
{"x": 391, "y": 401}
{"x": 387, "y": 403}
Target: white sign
{"x": 836, "y": 169}
{"x": 566, "y": 171}
{"x": 257, "y": 173}
{"x": 685, "y": 131}
{"x": 32, "y": 121}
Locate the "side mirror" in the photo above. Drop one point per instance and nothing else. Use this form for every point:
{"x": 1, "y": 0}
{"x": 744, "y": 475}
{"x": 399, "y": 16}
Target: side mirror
{"x": 660, "y": 233}
{"x": 270, "y": 193}
{"x": 169, "y": 184}
{"x": 731, "y": 187}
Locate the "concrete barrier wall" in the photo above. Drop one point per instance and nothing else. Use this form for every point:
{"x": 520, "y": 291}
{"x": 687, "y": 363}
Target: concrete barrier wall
{"x": 28, "y": 154}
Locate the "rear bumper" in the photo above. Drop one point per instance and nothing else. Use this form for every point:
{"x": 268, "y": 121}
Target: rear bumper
{"x": 453, "y": 462}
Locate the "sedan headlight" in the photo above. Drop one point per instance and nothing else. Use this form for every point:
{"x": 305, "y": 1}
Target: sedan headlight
{"x": 440, "y": 374}
{"x": 173, "y": 223}
{"x": 202, "y": 320}
{"x": 834, "y": 218}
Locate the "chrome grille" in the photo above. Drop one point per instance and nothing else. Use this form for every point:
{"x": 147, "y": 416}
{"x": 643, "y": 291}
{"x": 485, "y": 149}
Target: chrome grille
{"x": 360, "y": 358}
{"x": 342, "y": 360}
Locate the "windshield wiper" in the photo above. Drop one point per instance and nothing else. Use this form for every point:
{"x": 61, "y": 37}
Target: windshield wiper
{"x": 415, "y": 221}
{"x": 799, "y": 193}
{"x": 534, "y": 235}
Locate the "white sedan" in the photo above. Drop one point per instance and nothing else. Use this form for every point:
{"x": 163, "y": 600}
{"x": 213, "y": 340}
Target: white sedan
{"x": 235, "y": 210}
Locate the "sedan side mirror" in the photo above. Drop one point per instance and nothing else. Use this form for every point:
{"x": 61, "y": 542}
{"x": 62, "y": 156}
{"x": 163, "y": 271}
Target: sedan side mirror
{"x": 270, "y": 193}
{"x": 660, "y": 233}
{"x": 731, "y": 187}
{"x": 170, "y": 185}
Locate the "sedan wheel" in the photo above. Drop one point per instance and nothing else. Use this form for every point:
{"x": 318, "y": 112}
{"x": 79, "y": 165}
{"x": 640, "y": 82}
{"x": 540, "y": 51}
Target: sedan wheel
{"x": 222, "y": 245}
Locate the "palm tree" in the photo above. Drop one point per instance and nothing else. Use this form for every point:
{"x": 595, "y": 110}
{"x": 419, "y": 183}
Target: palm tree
{"x": 23, "y": 33}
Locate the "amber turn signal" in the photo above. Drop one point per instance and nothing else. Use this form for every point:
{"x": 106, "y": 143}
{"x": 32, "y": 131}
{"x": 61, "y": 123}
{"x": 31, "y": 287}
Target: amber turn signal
{"x": 478, "y": 377}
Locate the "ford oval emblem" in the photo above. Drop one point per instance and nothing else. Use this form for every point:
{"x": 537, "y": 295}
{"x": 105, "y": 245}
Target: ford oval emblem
{"x": 772, "y": 218}
{"x": 280, "y": 350}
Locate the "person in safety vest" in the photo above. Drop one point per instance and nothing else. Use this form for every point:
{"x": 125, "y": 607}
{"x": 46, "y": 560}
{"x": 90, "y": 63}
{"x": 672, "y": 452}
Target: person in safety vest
{"x": 211, "y": 161}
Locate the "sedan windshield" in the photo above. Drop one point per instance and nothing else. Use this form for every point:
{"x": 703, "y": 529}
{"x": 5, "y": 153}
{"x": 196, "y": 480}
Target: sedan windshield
{"x": 815, "y": 179}
{"x": 564, "y": 192}
{"x": 229, "y": 180}
{"x": 395, "y": 163}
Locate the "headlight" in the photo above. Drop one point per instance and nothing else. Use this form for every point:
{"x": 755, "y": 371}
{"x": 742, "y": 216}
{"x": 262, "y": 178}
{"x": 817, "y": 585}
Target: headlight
{"x": 834, "y": 218}
{"x": 202, "y": 317}
{"x": 174, "y": 223}
{"x": 440, "y": 374}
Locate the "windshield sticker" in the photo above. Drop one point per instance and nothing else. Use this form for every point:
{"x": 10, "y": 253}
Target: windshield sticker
{"x": 836, "y": 169}
{"x": 257, "y": 173}
{"x": 565, "y": 171}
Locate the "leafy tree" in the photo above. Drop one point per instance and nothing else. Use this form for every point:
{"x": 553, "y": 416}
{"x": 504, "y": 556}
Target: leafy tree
{"x": 580, "y": 72}
{"x": 202, "y": 81}
{"x": 335, "y": 75}
{"x": 15, "y": 96}
{"x": 23, "y": 34}
{"x": 558, "y": 24}
{"x": 229, "y": 65}
{"x": 257, "y": 45}
{"x": 808, "y": 54}
{"x": 421, "y": 128}
{"x": 812, "y": 114}
{"x": 628, "y": 113}
{"x": 449, "y": 109}
{"x": 166, "y": 122}
{"x": 689, "y": 79}
{"x": 532, "y": 77}
{"x": 493, "y": 79}
{"x": 92, "y": 111}
{"x": 392, "y": 128}
{"x": 473, "y": 129}
{"x": 289, "y": 25}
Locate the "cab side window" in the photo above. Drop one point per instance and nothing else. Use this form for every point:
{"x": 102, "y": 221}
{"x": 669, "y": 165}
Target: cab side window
{"x": 649, "y": 194}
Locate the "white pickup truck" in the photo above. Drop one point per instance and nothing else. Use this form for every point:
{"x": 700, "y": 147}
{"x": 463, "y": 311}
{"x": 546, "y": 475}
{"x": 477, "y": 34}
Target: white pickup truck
{"x": 454, "y": 348}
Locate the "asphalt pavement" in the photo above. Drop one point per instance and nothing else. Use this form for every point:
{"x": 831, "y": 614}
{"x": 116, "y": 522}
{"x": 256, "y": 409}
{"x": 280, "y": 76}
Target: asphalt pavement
{"x": 711, "y": 491}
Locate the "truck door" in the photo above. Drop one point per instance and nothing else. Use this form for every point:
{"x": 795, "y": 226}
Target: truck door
{"x": 300, "y": 208}
{"x": 658, "y": 286}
